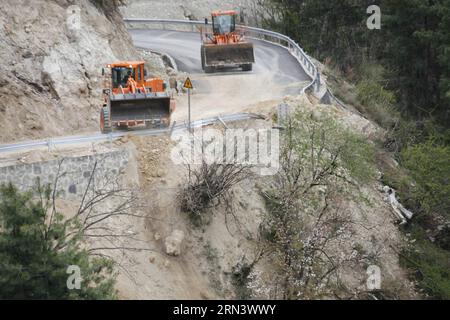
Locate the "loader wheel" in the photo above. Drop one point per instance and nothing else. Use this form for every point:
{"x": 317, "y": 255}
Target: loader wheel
{"x": 202, "y": 55}
{"x": 210, "y": 69}
{"x": 247, "y": 67}
{"x": 105, "y": 124}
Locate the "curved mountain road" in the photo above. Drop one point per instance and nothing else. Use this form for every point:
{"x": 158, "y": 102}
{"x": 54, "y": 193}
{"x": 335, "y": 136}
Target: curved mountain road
{"x": 276, "y": 73}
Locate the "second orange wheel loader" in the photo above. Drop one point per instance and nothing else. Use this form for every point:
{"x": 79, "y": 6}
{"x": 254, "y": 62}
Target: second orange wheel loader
{"x": 225, "y": 46}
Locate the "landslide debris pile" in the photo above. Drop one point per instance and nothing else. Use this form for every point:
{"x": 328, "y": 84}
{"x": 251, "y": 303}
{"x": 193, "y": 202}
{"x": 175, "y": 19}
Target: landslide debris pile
{"x": 52, "y": 53}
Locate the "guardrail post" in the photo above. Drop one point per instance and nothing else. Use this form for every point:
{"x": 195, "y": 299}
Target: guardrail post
{"x": 49, "y": 144}
{"x": 317, "y": 80}
{"x": 172, "y": 128}
{"x": 110, "y": 139}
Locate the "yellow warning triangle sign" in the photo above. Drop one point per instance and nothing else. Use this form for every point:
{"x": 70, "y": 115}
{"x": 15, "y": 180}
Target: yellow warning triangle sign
{"x": 188, "y": 84}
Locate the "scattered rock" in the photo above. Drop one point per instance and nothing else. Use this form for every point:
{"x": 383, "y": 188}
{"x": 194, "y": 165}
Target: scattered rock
{"x": 171, "y": 72}
{"x": 204, "y": 296}
{"x": 3, "y": 82}
{"x": 27, "y": 55}
{"x": 160, "y": 173}
{"x": 166, "y": 263}
{"x": 316, "y": 115}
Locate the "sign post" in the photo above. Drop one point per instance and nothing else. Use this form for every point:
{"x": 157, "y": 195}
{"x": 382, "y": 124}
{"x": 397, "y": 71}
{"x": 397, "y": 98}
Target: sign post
{"x": 188, "y": 85}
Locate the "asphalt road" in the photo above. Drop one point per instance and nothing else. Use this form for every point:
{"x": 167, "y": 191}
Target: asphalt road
{"x": 276, "y": 73}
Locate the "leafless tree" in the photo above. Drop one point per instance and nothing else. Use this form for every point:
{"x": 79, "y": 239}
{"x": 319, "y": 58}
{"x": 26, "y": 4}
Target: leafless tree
{"x": 102, "y": 201}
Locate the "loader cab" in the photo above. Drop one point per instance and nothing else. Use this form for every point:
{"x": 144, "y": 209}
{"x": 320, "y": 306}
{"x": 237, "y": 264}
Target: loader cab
{"x": 223, "y": 22}
{"x": 121, "y": 72}
{"x": 120, "y": 76}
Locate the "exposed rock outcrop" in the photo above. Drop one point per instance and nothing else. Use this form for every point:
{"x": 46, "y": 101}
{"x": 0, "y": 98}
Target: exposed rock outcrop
{"x": 52, "y": 53}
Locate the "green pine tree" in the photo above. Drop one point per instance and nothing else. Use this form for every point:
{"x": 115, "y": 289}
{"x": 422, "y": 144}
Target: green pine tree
{"x": 31, "y": 264}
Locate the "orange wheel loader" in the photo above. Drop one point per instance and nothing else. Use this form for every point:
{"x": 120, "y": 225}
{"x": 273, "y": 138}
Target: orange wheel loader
{"x": 225, "y": 46}
{"x": 130, "y": 100}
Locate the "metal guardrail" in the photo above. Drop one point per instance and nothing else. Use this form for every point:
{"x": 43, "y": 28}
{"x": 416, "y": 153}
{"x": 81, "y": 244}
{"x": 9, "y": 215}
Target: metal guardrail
{"x": 99, "y": 137}
{"x": 251, "y": 32}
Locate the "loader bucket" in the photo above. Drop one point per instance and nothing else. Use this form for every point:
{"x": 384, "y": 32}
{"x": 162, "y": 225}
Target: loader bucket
{"x": 133, "y": 109}
{"x": 228, "y": 54}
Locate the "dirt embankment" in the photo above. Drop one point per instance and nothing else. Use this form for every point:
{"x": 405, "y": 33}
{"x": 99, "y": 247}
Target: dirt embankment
{"x": 52, "y": 54}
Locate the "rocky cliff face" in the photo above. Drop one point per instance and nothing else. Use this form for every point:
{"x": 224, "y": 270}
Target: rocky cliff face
{"x": 191, "y": 10}
{"x": 51, "y": 56}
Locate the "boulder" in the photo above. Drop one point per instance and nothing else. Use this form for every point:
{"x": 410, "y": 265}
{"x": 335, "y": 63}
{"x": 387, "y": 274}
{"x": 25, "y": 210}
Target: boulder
{"x": 174, "y": 243}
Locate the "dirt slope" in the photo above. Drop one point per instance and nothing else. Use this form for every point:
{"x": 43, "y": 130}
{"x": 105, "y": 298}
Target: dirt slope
{"x": 205, "y": 267}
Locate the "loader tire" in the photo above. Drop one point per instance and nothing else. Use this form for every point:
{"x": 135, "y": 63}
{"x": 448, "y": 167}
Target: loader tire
{"x": 202, "y": 55}
{"x": 105, "y": 124}
{"x": 247, "y": 67}
{"x": 210, "y": 69}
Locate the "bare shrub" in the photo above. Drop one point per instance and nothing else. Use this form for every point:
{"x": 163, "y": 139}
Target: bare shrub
{"x": 209, "y": 185}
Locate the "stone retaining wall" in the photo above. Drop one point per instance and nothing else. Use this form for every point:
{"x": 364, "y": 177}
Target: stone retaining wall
{"x": 74, "y": 172}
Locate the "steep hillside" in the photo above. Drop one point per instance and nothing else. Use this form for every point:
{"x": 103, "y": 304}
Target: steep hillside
{"x": 192, "y": 10}
{"x": 52, "y": 53}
